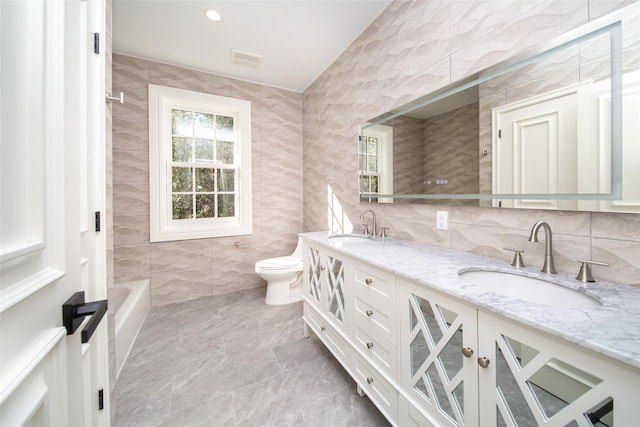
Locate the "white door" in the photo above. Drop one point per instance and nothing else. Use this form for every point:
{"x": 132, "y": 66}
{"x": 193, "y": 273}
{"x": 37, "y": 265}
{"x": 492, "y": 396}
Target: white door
{"x": 535, "y": 150}
{"x": 48, "y": 247}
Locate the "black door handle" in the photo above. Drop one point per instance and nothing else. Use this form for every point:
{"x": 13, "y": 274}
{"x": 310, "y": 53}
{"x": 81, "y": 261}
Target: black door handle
{"x": 74, "y": 310}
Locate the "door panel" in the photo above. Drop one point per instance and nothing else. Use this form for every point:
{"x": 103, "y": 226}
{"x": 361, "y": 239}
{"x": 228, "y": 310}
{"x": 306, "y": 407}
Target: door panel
{"x": 41, "y": 183}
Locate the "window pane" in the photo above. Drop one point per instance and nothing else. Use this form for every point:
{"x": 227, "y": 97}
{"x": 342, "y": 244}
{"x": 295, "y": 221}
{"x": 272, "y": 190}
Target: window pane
{"x": 372, "y": 164}
{"x": 182, "y": 206}
{"x": 204, "y": 180}
{"x": 204, "y": 150}
{"x": 361, "y": 166}
{"x": 374, "y": 184}
{"x": 226, "y": 205}
{"x": 372, "y": 146}
{"x": 181, "y": 148}
{"x": 224, "y": 152}
{"x": 181, "y": 179}
{"x": 361, "y": 144}
{"x": 226, "y": 180}
{"x": 364, "y": 184}
{"x": 203, "y": 125}
{"x": 224, "y": 128}
{"x": 181, "y": 123}
{"x": 205, "y": 206}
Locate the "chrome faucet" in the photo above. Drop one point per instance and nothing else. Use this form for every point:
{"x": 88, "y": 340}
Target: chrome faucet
{"x": 373, "y": 226}
{"x": 548, "y": 266}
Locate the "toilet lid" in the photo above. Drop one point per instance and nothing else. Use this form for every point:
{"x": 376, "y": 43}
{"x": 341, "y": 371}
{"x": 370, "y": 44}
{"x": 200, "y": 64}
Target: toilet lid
{"x": 279, "y": 263}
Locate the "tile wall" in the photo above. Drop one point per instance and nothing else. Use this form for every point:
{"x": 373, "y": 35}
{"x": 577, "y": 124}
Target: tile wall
{"x": 413, "y": 48}
{"x": 185, "y": 270}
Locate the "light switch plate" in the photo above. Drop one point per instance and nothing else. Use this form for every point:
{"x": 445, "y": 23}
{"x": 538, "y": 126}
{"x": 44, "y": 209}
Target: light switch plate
{"x": 442, "y": 220}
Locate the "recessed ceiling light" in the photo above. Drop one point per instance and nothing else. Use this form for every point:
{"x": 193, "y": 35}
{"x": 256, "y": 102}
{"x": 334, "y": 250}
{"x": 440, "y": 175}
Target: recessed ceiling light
{"x": 212, "y": 14}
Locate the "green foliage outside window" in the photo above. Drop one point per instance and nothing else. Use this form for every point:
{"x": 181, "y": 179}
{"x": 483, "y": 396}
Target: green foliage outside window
{"x": 201, "y": 143}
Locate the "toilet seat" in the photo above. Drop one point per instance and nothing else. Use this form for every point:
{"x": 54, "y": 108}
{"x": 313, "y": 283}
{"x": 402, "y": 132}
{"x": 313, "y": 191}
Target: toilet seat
{"x": 280, "y": 264}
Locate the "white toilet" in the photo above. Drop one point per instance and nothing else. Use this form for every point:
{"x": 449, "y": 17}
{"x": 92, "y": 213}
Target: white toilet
{"x": 283, "y": 276}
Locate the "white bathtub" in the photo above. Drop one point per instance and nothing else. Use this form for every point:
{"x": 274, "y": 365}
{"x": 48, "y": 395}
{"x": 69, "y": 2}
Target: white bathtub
{"x": 132, "y": 301}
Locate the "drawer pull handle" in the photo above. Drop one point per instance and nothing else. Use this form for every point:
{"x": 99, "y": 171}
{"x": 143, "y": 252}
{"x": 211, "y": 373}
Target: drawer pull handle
{"x": 369, "y": 345}
{"x": 322, "y": 328}
{"x": 368, "y": 281}
{"x": 467, "y": 351}
{"x": 369, "y": 313}
{"x": 483, "y": 362}
{"x": 322, "y": 268}
{"x": 369, "y": 380}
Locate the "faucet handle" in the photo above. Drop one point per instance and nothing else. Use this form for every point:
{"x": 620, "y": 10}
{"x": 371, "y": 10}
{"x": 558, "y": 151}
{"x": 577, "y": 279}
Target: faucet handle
{"x": 517, "y": 257}
{"x": 383, "y": 232}
{"x": 585, "y": 269}
{"x": 365, "y": 229}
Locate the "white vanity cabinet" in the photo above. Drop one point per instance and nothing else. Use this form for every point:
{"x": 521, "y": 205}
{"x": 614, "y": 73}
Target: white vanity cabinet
{"x": 371, "y": 306}
{"x": 425, "y": 358}
{"x": 465, "y": 367}
{"x": 324, "y": 307}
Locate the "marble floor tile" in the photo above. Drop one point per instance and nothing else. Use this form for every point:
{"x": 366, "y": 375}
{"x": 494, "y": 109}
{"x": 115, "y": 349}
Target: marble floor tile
{"x": 232, "y": 360}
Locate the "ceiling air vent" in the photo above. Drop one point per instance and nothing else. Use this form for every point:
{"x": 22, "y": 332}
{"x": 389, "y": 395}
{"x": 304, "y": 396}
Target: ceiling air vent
{"x": 246, "y": 59}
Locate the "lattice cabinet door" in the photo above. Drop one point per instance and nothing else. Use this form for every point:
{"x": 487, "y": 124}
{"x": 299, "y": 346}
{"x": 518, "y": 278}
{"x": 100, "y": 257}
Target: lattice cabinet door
{"x": 529, "y": 379}
{"x": 313, "y": 275}
{"x": 438, "y": 351}
{"x": 335, "y": 288}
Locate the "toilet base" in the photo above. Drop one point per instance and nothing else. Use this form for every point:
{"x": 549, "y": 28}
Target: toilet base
{"x": 281, "y": 292}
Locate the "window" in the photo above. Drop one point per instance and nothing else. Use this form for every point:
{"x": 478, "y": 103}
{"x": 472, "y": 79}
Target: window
{"x": 375, "y": 169}
{"x": 200, "y": 165}
{"x": 369, "y": 158}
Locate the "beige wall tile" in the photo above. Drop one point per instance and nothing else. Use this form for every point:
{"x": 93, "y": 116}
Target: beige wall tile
{"x": 178, "y": 285}
{"x": 480, "y": 33}
{"x": 277, "y": 163}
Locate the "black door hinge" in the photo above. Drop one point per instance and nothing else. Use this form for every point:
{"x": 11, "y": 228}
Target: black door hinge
{"x": 499, "y": 133}
{"x": 101, "y": 399}
{"x": 98, "y": 221}
{"x": 96, "y": 43}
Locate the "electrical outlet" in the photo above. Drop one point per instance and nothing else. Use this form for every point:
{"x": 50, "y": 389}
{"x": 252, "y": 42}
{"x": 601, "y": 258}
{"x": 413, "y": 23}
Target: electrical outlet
{"x": 442, "y": 220}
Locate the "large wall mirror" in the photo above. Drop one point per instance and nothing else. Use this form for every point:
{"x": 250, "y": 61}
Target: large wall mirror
{"x": 556, "y": 127}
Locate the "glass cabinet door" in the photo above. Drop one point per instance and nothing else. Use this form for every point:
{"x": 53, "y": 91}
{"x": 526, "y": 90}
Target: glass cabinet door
{"x": 439, "y": 372}
{"x": 335, "y": 288}
{"x": 313, "y": 273}
{"x": 529, "y": 379}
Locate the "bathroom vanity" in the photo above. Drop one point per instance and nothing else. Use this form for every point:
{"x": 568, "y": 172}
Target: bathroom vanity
{"x": 431, "y": 346}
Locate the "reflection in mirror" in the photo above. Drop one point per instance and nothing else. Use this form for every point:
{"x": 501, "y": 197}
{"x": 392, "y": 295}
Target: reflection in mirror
{"x": 549, "y": 389}
{"x": 542, "y": 130}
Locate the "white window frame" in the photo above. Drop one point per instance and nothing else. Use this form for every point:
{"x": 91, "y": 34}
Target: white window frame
{"x": 163, "y": 227}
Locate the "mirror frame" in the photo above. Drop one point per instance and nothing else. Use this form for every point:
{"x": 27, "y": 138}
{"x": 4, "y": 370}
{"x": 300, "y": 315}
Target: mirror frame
{"x": 612, "y": 25}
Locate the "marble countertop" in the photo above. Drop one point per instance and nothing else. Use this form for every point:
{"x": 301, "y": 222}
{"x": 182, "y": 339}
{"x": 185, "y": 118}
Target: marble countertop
{"x": 612, "y": 329}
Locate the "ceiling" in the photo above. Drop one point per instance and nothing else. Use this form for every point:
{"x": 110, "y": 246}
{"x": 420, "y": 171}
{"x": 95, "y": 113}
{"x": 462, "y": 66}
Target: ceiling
{"x": 297, "y": 39}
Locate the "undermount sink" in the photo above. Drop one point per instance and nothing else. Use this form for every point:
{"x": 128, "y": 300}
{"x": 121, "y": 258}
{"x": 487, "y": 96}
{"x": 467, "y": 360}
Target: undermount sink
{"x": 531, "y": 289}
{"x": 349, "y": 238}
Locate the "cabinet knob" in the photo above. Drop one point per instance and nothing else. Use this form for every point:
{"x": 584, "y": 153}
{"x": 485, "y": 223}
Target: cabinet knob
{"x": 322, "y": 268}
{"x": 369, "y": 345}
{"x": 483, "y": 362}
{"x": 369, "y": 313}
{"x": 368, "y": 281}
{"x": 369, "y": 380}
{"x": 467, "y": 351}
{"x": 322, "y": 328}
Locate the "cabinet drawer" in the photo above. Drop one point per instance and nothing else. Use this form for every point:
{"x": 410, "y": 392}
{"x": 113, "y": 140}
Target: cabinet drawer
{"x": 378, "y": 350}
{"x": 327, "y": 334}
{"x": 379, "y": 390}
{"x": 378, "y": 285}
{"x": 380, "y": 319}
